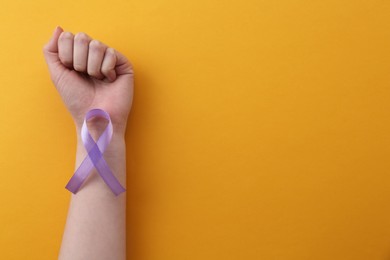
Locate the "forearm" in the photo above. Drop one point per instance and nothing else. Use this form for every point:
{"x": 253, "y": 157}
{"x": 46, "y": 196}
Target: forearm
{"x": 96, "y": 223}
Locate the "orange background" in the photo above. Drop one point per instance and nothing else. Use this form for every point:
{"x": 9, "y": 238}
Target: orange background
{"x": 259, "y": 129}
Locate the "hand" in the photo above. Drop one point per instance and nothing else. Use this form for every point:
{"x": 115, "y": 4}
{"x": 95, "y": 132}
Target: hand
{"x": 89, "y": 74}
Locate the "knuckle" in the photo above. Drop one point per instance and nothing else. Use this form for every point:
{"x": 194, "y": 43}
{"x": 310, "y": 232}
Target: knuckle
{"x": 96, "y": 45}
{"x": 66, "y": 36}
{"x": 111, "y": 51}
{"x": 82, "y": 37}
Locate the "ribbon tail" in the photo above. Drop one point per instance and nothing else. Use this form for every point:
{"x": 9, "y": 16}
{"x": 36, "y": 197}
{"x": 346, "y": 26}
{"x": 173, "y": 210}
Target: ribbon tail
{"x": 105, "y": 171}
{"x": 80, "y": 175}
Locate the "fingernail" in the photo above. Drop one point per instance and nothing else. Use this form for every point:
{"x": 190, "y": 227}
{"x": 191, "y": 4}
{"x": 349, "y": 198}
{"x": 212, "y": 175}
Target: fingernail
{"x": 57, "y": 28}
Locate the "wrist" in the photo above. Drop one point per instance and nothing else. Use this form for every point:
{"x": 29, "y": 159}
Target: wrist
{"x": 96, "y": 127}
{"x": 114, "y": 155}
{"x": 116, "y": 146}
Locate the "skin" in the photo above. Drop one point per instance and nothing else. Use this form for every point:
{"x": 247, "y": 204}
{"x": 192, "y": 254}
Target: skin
{"x": 88, "y": 74}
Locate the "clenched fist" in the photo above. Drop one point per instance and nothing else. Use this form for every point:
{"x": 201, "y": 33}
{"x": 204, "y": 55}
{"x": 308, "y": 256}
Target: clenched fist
{"x": 88, "y": 74}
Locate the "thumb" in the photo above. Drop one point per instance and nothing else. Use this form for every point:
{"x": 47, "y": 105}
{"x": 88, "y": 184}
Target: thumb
{"x": 123, "y": 65}
{"x": 50, "y": 51}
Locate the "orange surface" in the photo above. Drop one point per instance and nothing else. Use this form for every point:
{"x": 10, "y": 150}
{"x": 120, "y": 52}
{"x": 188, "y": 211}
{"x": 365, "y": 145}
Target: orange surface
{"x": 260, "y": 129}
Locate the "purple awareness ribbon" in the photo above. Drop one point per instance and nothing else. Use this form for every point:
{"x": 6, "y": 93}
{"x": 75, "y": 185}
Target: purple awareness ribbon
{"x": 95, "y": 157}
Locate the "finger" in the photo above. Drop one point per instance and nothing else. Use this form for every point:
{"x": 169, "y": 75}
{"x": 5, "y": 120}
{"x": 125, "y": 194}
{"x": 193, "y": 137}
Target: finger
{"x": 95, "y": 58}
{"x": 80, "y": 52}
{"x": 65, "y": 49}
{"x": 50, "y": 50}
{"x": 108, "y": 65}
{"x": 51, "y": 46}
{"x": 123, "y": 66}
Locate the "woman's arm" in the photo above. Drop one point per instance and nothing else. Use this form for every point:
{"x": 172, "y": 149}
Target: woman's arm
{"x": 87, "y": 75}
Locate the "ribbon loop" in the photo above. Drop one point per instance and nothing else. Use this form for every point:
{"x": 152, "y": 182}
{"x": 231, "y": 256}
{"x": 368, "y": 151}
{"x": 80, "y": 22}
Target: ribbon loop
{"x": 94, "y": 158}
